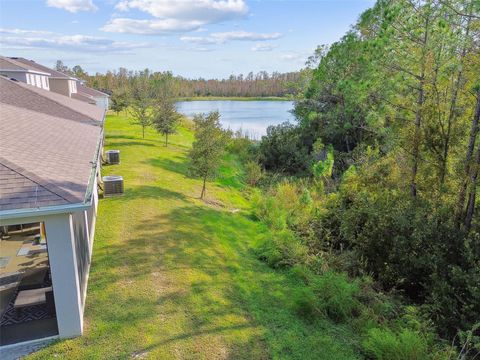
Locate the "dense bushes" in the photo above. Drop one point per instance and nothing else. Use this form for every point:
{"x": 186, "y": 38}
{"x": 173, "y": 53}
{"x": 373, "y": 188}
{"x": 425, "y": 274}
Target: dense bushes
{"x": 285, "y": 149}
{"x": 285, "y": 205}
{"x": 253, "y": 173}
{"x": 406, "y": 246}
{"x": 282, "y": 249}
{"x": 330, "y": 295}
{"x": 391, "y": 152}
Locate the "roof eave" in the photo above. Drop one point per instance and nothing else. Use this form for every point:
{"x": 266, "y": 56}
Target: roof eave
{"x": 26, "y": 71}
{"x": 42, "y": 211}
{"x": 62, "y": 78}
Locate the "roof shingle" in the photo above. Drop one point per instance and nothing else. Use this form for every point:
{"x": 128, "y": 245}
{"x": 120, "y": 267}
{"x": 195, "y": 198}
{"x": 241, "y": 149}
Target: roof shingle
{"x": 12, "y": 64}
{"x": 89, "y": 91}
{"x": 32, "y": 64}
{"x": 48, "y": 148}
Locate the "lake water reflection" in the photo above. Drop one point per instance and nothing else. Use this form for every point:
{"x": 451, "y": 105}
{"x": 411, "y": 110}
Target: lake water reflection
{"x": 251, "y": 116}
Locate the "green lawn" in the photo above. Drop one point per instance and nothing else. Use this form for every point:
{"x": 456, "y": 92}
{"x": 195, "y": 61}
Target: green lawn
{"x": 173, "y": 277}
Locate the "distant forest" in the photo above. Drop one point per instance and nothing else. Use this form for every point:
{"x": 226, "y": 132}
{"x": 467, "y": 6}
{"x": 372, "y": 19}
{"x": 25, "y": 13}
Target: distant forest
{"x": 260, "y": 84}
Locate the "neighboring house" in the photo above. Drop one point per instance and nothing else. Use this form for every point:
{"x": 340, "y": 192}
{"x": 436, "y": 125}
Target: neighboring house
{"x": 67, "y": 85}
{"x": 84, "y": 97}
{"x": 24, "y": 73}
{"x": 101, "y": 99}
{"x": 50, "y": 153}
{"x": 59, "y": 82}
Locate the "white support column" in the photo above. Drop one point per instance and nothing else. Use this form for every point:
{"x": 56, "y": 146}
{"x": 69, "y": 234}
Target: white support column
{"x": 63, "y": 266}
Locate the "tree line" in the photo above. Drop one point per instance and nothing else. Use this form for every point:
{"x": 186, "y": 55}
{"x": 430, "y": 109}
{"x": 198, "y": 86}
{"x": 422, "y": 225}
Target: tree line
{"x": 261, "y": 84}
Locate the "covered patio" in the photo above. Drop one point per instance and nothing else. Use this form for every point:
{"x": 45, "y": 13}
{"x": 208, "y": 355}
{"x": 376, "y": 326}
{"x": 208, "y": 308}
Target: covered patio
{"x": 27, "y": 306}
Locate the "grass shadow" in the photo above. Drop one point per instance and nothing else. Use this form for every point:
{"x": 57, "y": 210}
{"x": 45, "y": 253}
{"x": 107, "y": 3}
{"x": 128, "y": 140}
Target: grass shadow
{"x": 130, "y": 143}
{"x": 179, "y": 167}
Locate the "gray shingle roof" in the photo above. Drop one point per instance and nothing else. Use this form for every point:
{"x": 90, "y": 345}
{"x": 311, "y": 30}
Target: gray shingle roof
{"x": 49, "y": 142}
{"x": 12, "y": 64}
{"x": 84, "y": 97}
{"x": 89, "y": 91}
{"x": 17, "y": 191}
{"x": 47, "y": 102}
{"x": 32, "y": 64}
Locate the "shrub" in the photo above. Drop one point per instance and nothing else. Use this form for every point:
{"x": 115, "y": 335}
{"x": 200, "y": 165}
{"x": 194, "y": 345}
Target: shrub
{"x": 407, "y": 245}
{"x": 305, "y": 304}
{"x": 282, "y": 249}
{"x": 329, "y": 295}
{"x": 287, "y": 195}
{"x": 267, "y": 209}
{"x": 303, "y": 273}
{"x": 336, "y": 295}
{"x": 283, "y": 150}
{"x": 384, "y": 344}
{"x": 243, "y": 147}
{"x": 470, "y": 342}
{"x": 253, "y": 173}
{"x": 306, "y": 197}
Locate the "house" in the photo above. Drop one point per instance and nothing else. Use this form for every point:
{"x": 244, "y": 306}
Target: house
{"x": 59, "y": 82}
{"x": 101, "y": 99}
{"x": 50, "y": 153}
{"x": 68, "y": 85}
{"x": 24, "y": 73}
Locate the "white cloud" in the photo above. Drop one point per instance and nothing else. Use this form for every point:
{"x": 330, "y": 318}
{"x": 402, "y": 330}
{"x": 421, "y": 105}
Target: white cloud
{"x": 290, "y": 57}
{"x": 73, "y": 5}
{"x": 263, "y": 47}
{"x": 149, "y": 27}
{"x": 24, "y": 32}
{"x": 223, "y": 37}
{"x": 208, "y": 11}
{"x": 175, "y": 16}
{"x": 203, "y": 40}
{"x": 27, "y": 39}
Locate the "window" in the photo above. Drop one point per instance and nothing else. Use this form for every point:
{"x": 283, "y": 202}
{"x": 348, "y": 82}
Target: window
{"x": 44, "y": 82}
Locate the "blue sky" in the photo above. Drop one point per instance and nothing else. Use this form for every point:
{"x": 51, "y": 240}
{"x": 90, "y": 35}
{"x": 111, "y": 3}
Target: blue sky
{"x": 192, "y": 38}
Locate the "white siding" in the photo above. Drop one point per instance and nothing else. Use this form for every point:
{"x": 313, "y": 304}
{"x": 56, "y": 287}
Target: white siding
{"x": 45, "y": 83}
{"x": 72, "y": 86}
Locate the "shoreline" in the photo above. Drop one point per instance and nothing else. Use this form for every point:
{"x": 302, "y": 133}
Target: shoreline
{"x": 234, "y": 98}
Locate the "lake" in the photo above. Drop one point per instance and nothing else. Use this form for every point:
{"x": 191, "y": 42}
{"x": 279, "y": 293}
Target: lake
{"x": 252, "y": 117}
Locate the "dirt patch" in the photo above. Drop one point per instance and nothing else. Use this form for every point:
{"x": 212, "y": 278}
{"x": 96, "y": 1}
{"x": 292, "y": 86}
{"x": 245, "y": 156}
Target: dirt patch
{"x": 214, "y": 203}
{"x": 140, "y": 355}
{"x": 148, "y": 177}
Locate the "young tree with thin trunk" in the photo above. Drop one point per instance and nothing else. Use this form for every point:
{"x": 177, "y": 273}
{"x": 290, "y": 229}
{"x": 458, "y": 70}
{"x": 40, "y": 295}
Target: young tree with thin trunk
{"x": 140, "y": 104}
{"x": 208, "y": 147}
{"x": 140, "y": 112}
{"x": 165, "y": 117}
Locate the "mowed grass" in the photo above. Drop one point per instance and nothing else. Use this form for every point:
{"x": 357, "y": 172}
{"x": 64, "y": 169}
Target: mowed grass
{"x": 173, "y": 277}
